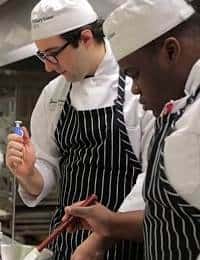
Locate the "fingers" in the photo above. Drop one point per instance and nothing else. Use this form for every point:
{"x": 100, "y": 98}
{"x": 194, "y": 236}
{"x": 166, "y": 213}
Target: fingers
{"x": 77, "y": 223}
{"x": 26, "y": 136}
{"x": 15, "y": 148}
{"x": 72, "y": 228}
{"x": 15, "y": 138}
{"x": 82, "y": 212}
{"x": 67, "y": 209}
{"x": 13, "y": 163}
{"x": 77, "y": 210}
{"x": 14, "y": 152}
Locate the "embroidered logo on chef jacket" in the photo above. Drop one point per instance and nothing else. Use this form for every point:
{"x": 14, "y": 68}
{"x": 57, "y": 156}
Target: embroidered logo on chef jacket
{"x": 56, "y": 104}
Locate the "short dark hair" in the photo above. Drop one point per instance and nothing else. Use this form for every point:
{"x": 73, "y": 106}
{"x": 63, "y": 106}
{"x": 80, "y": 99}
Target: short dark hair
{"x": 74, "y": 36}
{"x": 189, "y": 28}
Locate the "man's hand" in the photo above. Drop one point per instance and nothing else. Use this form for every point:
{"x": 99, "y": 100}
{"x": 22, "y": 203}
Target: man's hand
{"x": 106, "y": 223}
{"x": 20, "y": 154}
{"x": 96, "y": 218}
{"x": 93, "y": 248}
{"x": 20, "y": 159}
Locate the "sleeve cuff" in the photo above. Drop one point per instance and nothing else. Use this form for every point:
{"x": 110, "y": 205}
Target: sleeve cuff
{"x": 134, "y": 201}
{"x": 49, "y": 178}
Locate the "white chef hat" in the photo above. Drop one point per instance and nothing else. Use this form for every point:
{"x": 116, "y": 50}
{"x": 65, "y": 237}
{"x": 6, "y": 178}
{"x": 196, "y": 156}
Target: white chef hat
{"x": 138, "y": 22}
{"x": 54, "y": 17}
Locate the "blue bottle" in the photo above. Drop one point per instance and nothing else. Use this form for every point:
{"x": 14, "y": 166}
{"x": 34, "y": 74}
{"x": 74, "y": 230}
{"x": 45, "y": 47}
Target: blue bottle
{"x": 17, "y": 129}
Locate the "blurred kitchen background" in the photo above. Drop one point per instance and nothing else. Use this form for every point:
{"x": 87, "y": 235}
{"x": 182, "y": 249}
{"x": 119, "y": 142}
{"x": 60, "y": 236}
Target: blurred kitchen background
{"x": 22, "y": 78}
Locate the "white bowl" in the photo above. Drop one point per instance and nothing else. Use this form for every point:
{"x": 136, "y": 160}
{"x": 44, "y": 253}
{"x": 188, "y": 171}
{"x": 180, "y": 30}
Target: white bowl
{"x": 18, "y": 252}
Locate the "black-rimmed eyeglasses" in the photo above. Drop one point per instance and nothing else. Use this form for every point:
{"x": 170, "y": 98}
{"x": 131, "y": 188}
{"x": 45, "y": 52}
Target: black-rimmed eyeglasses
{"x": 51, "y": 56}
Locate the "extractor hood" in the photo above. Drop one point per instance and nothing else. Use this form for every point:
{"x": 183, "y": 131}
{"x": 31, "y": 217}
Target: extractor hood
{"x": 3, "y": 2}
{"x": 15, "y": 38}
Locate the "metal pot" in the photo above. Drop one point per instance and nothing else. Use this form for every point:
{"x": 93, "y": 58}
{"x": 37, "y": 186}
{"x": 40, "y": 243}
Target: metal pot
{"x": 18, "y": 252}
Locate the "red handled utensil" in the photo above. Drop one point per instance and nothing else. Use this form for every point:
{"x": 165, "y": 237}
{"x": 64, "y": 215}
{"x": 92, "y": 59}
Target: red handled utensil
{"x": 37, "y": 250}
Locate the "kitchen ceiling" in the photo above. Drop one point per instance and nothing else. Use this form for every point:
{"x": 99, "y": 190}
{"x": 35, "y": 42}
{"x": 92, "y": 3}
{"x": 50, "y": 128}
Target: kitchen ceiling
{"x": 15, "y": 38}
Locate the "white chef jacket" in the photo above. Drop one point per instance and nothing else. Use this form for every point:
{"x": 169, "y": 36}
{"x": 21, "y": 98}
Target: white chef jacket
{"x": 91, "y": 93}
{"x": 182, "y": 147}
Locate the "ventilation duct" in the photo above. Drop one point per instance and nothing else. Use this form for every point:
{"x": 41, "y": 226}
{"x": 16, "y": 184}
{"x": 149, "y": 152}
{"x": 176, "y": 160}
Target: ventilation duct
{"x": 15, "y": 38}
{"x": 3, "y": 2}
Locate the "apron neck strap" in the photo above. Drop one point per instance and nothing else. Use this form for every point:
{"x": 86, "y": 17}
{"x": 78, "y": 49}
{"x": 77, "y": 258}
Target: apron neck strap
{"x": 68, "y": 94}
{"x": 119, "y": 101}
{"x": 121, "y": 87}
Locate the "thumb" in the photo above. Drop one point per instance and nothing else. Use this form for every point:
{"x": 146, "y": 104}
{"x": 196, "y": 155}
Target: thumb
{"x": 81, "y": 212}
{"x": 26, "y": 135}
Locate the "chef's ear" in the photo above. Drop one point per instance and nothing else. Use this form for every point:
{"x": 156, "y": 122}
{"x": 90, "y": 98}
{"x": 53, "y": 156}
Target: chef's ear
{"x": 87, "y": 37}
{"x": 172, "y": 50}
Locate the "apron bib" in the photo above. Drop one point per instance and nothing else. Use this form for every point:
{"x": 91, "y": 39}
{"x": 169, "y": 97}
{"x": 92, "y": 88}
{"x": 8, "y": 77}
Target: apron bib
{"x": 166, "y": 211}
{"x": 97, "y": 157}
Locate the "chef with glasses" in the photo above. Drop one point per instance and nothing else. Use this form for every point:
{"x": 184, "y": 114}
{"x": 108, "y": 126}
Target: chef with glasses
{"x": 87, "y": 129}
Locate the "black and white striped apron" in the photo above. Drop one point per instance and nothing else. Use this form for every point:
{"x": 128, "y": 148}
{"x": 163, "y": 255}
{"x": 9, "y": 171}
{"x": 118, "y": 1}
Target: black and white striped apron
{"x": 171, "y": 225}
{"x": 96, "y": 158}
